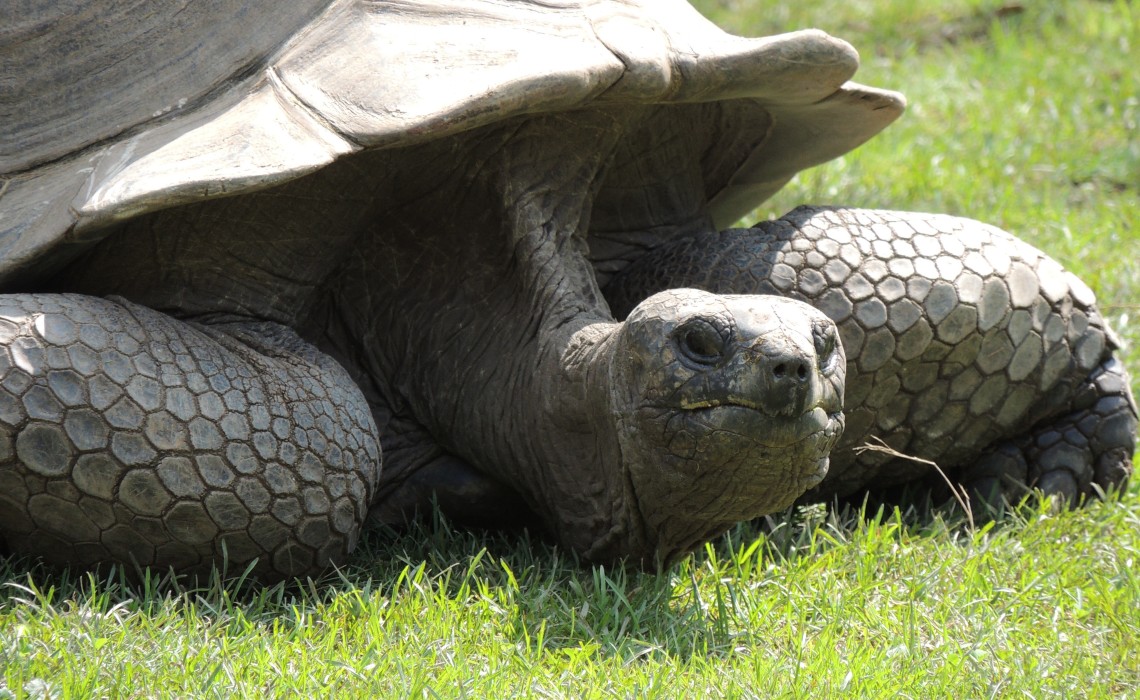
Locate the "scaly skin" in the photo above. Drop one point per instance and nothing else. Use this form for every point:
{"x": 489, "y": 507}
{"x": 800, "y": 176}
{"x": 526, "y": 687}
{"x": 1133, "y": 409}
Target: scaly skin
{"x": 128, "y": 436}
{"x": 965, "y": 346}
{"x": 475, "y": 341}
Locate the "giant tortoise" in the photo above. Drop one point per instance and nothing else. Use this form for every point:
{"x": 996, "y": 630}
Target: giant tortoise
{"x": 250, "y": 251}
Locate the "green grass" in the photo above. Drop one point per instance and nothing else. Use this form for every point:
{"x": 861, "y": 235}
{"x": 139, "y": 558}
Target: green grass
{"x": 819, "y": 603}
{"x": 1027, "y": 119}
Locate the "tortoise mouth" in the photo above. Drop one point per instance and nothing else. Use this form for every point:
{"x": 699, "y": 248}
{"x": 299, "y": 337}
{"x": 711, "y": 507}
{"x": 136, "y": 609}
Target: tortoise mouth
{"x": 798, "y": 448}
{"x": 720, "y": 403}
{"x": 737, "y": 462}
{"x": 751, "y": 421}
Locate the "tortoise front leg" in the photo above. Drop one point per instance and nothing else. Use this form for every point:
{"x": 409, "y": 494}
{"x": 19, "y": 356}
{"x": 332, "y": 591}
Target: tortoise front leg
{"x": 965, "y": 346}
{"x": 128, "y": 436}
{"x": 1074, "y": 455}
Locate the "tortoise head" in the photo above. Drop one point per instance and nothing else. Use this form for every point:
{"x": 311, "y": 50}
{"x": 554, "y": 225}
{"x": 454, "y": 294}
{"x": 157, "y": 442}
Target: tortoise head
{"x": 727, "y": 408}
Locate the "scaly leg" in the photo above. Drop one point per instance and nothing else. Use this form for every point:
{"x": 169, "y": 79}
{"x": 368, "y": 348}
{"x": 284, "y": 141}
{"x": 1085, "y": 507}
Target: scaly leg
{"x": 965, "y": 346}
{"x": 128, "y": 436}
{"x": 1072, "y": 456}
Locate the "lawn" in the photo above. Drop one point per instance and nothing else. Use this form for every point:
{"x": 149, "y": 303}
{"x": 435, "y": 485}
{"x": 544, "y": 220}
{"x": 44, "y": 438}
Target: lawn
{"x": 1021, "y": 114}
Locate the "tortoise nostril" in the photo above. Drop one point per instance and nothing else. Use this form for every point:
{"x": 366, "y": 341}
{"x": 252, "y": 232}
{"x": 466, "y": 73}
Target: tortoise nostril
{"x": 780, "y": 381}
{"x": 794, "y": 370}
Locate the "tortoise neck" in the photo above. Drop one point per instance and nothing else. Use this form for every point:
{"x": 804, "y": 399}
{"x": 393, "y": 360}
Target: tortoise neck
{"x": 471, "y": 308}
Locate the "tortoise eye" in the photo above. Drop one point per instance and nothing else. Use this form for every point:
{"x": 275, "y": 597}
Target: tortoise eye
{"x": 826, "y": 345}
{"x": 700, "y": 341}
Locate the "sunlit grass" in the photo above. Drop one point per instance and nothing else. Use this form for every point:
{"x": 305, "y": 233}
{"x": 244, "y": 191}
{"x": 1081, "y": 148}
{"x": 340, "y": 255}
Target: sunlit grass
{"x": 814, "y": 603}
{"x": 1022, "y": 114}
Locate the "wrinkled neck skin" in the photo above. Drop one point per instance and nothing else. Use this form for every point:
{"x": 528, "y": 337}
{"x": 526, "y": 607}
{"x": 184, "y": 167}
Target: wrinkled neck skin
{"x": 606, "y": 522}
{"x": 472, "y": 307}
{"x": 471, "y": 311}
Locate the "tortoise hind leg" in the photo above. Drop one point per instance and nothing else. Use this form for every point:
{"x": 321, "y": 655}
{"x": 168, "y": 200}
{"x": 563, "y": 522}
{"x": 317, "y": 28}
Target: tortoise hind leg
{"x": 129, "y": 436}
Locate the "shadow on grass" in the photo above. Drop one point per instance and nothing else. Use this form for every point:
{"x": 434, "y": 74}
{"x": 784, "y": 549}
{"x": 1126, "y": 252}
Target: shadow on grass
{"x": 543, "y": 598}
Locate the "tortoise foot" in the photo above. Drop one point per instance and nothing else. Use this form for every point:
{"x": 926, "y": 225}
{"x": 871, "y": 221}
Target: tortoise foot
{"x": 127, "y": 436}
{"x": 1083, "y": 454}
{"x": 462, "y": 494}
